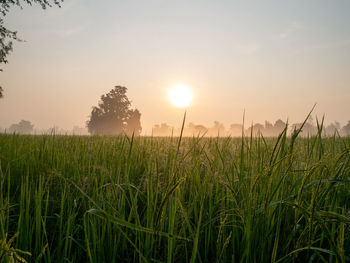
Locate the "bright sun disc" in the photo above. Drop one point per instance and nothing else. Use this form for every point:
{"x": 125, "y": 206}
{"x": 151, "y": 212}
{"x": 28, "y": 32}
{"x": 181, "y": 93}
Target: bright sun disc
{"x": 180, "y": 95}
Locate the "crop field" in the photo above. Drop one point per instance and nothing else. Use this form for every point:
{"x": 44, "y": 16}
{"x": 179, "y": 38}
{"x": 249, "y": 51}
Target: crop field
{"x": 144, "y": 199}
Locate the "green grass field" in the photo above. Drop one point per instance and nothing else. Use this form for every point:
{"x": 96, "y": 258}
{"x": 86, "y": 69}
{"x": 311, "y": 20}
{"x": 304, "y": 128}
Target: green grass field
{"x": 120, "y": 199}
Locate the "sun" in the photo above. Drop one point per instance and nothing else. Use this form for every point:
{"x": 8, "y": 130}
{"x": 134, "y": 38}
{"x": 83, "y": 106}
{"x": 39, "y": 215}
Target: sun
{"x": 180, "y": 95}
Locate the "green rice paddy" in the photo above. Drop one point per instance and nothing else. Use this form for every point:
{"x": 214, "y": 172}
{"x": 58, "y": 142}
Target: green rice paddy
{"x": 122, "y": 199}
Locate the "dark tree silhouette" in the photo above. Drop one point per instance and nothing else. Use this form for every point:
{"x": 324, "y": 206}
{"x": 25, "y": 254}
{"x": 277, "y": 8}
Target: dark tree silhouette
{"x": 23, "y": 127}
{"x": 7, "y": 35}
{"x": 113, "y": 115}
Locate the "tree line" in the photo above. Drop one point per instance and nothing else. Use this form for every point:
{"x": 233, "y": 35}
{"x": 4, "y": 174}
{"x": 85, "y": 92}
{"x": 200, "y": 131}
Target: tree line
{"x": 218, "y": 129}
{"x": 267, "y": 130}
{"x": 27, "y": 127}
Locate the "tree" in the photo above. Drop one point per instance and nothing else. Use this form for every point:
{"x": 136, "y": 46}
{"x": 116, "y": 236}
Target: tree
{"x": 113, "y": 115}
{"x": 7, "y": 35}
{"x": 195, "y": 130}
{"x": 133, "y": 125}
{"x": 162, "y": 130}
{"x": 235, "y": 129}
{"x": 332, "y": 128}
{"x": 257, "y": 128}
{"x": 268, "y": 129}
{"x": 346, "y": 129}
{"x": 217, "y": 130}
{"x": 279, "y": 126}
{"x": 23, "y": 127}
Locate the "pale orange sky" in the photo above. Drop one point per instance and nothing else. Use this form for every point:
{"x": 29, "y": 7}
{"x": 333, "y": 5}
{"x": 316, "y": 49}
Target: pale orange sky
{"x": 273, "y": 59}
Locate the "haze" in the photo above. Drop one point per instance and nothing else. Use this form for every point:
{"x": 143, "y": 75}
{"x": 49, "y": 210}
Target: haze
{"x": 274, "y": 59}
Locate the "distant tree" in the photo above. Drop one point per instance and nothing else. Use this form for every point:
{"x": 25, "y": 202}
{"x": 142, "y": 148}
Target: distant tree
{"x": 308, "y": 129}
{"x": 346, "y": 129}
{"x": 268, "y": 125}
{"x": 200, "y": 129}
{"x": 7, "y": 35}
{"x": 113, "y": 115}
{"x": 310, "y": 120}
{"x": 279, "y": 125}
{"x": 256, "y": 128}
{"x": 268, "y": 129}
{"x": 195, "y": 130}
{"x": 162, "y": 130}
{"x": 23, "y": 127}
{"x": 217, "y": 130}
{"x": 235, "y": 129}
{"x": 133, "y": 124}
{"x": 332, "y": 128}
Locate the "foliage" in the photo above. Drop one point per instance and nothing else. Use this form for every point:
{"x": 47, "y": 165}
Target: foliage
{"x": 346, "y": 129}
{"x": 10, "y": 254}
{"x": 121, "y": 199}
{"x": 114, "y": 115}
{"x": 23, "y": 127}
{"x": 5, "y": 45}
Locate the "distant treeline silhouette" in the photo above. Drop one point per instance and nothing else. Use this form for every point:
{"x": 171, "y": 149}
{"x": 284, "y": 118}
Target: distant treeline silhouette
{"x": 26, "y": 127}
{"x": 267, "y": 130}
{"x": 218, "y": 129}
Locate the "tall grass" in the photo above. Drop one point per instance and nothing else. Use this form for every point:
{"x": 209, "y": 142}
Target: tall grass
{"x": 120, "y": 199}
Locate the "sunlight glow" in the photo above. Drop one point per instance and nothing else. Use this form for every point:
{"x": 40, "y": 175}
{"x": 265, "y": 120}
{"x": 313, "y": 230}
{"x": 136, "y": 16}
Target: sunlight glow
{"x": 180, "y": 95}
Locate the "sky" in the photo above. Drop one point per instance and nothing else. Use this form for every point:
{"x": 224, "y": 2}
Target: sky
{"x": 271, "y": 59}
